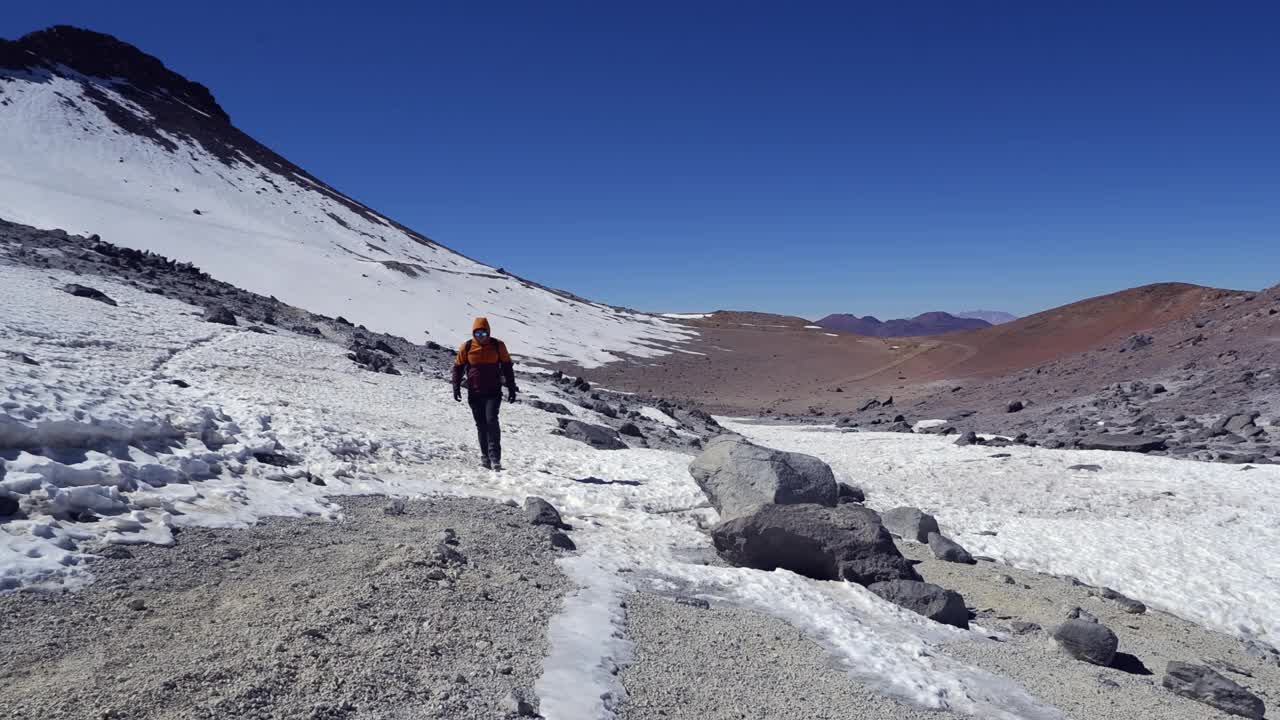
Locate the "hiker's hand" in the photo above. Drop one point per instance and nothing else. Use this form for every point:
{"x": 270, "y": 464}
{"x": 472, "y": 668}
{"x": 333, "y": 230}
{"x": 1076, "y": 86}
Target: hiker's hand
{"x": 457, "y": 394}
{"x": 511, "y": 395}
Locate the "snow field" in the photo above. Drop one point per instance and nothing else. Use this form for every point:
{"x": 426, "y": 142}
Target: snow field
{"x": 1194, "y": 539}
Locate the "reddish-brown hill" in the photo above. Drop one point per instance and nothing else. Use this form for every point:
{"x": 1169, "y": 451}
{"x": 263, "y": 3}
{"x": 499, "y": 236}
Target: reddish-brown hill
{"x": 1065, "y": 330}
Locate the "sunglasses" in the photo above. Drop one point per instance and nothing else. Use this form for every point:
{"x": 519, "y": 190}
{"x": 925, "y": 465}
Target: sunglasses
{"x": 480, "y": 333}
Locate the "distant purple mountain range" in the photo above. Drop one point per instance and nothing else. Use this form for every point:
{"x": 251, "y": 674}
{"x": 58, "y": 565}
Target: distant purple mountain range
{"x": 930, "y": 323}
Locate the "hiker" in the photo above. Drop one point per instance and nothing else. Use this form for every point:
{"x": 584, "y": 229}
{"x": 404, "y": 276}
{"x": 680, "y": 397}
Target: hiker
{"x": 485, "y": 364}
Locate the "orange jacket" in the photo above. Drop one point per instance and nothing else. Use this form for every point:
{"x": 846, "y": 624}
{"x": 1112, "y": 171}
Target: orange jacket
{"x": 484, "y": 365}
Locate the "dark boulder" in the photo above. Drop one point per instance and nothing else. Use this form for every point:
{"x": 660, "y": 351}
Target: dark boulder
{"x": 1089, "y": 641}
{"x": 540, "y": 512}
{"x": 948, "y": 550}
{"x": 969, "y": 438}
{"x": 597, "y": 436}
{"x": 1123, "y": 442}
{"x": 630, "y": 428}
{"x": 1213, "y": 689}
{"x": 846, "y": 493}
{"x": 934, "y": 602}
{"x": 85, "y": 291}
{"x": 910, "y": 523}
{"x": 368, "y": 359}
{"x": 1126, "y": 603}
{"x": 551, "y": 407}
{"x": 219, "y": 314}
{"x": 603, "y": 408}
{"x": 8, "y": 506}
{"x": 1015, "y": 406}
{"x": 824, "y": 543}
{"x": 561, "y": 540}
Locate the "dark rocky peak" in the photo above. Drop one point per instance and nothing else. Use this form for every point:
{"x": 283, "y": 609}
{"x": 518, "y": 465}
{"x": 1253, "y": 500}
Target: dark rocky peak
{"x": 98, "y": 55}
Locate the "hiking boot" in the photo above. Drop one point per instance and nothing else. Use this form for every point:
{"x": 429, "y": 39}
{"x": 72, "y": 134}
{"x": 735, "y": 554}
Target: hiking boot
{"x": 484, "y": 463}
{"x": 495, "y": 464}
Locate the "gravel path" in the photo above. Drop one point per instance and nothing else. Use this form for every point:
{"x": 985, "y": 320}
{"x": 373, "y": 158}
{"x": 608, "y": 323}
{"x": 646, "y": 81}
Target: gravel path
{"x": 294, "y": 619}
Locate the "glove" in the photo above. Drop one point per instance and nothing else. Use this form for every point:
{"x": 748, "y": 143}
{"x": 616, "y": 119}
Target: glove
{"x": 511, "y": 395}
{"x": 457, "y": 393}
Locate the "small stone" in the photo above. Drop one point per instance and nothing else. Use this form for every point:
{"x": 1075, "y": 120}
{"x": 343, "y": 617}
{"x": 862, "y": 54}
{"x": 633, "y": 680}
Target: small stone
{"x": 694, "y": 602}
{"x": 1015, "y": 406}
{"x": 1079, "y": 613}
{"x": 447, "y": 537}
{"x": 1125, "y": 602}
{"x": 562, "y": 541}
{"x": 949, "y": 550}
{"x": 137, "y": 604}
{"x": 520, "y": 702}
{"x": 395, "y": 507}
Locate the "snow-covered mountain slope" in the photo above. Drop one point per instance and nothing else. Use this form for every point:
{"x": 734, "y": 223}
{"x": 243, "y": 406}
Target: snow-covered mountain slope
{"x": 98, "y": 138}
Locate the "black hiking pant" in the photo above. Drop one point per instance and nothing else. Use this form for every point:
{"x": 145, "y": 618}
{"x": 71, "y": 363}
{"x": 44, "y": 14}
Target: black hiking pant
{"x": 484, "y": 408}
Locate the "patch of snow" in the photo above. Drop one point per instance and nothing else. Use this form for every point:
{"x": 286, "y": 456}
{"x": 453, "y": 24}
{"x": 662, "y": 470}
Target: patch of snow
{"x": 814, "y": 327}
{"x": 686, "y": 316}
{"x": 831, "y": 334}
{"x": 932, "y": 423}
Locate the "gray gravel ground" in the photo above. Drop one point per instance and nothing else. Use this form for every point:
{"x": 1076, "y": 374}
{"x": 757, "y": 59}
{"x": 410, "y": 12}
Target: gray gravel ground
{"x": 725, "y": 663}
{"x": 1147, "y": 642}
{"x": 294, "y": 619}
{"x": 728, "y": 663}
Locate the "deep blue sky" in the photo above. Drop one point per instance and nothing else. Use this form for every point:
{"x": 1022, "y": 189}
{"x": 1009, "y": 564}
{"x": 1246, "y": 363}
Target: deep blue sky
{"x": 791, "y": 157}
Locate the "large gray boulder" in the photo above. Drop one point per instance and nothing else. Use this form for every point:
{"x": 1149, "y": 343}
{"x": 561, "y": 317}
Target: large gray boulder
{"x": 841, "y": 543}
{"x": 934, "y": 602}
{"x": 910, "y": 523}
{"x": 597, "y": 436}
{"x": 1089, "y": 641}
{"x": 1211, "y": 688}
{"x": 739, "y": 477}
